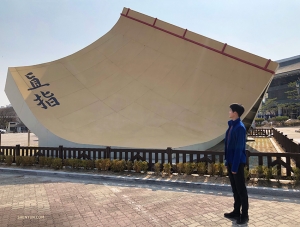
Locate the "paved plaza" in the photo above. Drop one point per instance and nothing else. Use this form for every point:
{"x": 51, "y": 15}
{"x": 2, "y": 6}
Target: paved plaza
{"x": 28, "y": 200}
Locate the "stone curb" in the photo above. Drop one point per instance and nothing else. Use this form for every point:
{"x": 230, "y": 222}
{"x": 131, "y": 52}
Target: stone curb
{"x": 292, "y": 193}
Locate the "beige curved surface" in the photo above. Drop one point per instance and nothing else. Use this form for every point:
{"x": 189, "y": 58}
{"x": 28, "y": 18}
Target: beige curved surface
{"x": 140, "y": 86}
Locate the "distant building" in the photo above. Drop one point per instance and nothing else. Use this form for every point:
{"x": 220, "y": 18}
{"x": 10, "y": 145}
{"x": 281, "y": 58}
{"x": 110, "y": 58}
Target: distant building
{"x": 11, "y": 127}
{"x": 288, "y": 71}
{"x": 16, "y": 127}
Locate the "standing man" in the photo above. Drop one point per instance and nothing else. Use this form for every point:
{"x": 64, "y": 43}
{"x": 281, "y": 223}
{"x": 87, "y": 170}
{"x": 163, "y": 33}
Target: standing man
{"x": 235, "y": 156}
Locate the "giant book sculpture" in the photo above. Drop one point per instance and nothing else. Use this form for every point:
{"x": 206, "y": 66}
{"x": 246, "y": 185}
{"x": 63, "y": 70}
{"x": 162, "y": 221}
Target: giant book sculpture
{"x": 144, "y": 84}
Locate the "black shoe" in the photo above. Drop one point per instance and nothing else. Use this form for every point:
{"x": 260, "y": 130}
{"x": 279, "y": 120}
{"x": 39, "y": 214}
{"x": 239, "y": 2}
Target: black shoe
{"x": 232, "y": 214}
{"x": 242, "y": 220}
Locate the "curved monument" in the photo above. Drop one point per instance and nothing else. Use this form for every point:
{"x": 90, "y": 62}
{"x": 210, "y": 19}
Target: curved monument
{"x": 144, "y": 84}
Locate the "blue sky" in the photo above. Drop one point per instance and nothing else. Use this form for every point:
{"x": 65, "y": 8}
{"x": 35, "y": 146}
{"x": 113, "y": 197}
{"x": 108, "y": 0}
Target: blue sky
{"x": 38, "y": 31}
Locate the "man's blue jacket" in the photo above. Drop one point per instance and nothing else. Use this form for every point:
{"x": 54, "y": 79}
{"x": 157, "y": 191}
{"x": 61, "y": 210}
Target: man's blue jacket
{"x": 235, "y": 144}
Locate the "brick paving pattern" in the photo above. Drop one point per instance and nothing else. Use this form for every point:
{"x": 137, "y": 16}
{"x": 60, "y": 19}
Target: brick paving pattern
{"x": 46, "y": 201}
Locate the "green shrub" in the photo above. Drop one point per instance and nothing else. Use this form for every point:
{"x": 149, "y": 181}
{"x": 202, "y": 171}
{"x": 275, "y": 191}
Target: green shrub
{"x": 281, "y": 119}
{"x": 83, "y": 164}
{"x": 28, "y": 160}
{"x": 137, "y": 166}
{"x": 19, "y": 160}
{"x": 296, "y": 175}
{"x": 74, "y": 163}
{"x": 9, "y": 160}
{"x": 114, "y": 165}
{"x": 129, "y": 165}
{"x": 212, "y": 169}
{"x": 118, "y": 165}
{"x": 260, "y": 171}
{"x": 246, "y": 173}
{"x": 276, "y": 173}
{"x": 69, "y": 162}
{"x": 90, "y": 164}
{"x": 103, "y": 164}
{"x": 107, "y": 163}
{"x": 220, "y": 167}
{"x": 77, "y": 163}
{"x": 87, "y": 164}
{"x": 268, "y": 172}
{"x": 194, "y": 166}
{"x": 48, "y": 161}
{"x": 145, "y": 166}
{"x": 42, "y": 161}
{"x": 258, "y": 121}
{"x": 179, "y": 167}
{"x": 122, "y": 165}
{"x": 188, "y": 168}
{"x": 2, "y": 158}
{"x": 57, "y": 163}
{"x": 201, "y": 168}
{"x": 167, "y": 168}
{"x": 66, "y": 162}
{"x": 157, "y": 168}
{"x": 253, "y": 172}
{"x": 97, "y": 164}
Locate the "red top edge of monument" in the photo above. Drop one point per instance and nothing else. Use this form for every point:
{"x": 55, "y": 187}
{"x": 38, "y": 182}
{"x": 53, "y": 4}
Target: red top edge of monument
{"x": 200, "y": 44}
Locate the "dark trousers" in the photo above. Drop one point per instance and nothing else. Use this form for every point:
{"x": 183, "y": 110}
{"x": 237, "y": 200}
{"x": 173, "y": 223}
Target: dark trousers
{"x": 239, "y": 189}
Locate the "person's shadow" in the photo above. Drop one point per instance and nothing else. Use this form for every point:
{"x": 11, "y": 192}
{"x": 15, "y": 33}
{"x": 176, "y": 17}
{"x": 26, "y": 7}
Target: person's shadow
{"x": 243, "y": 225}
{"x": 233, "y": 220}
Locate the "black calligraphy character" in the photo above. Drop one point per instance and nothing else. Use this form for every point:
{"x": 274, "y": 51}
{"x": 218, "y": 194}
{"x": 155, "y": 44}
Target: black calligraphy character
{"x": 28, "y": 75}
{"x": 35, "y": 82}
{"x": 52, "y": 101}
{"x": 41, "y": 101}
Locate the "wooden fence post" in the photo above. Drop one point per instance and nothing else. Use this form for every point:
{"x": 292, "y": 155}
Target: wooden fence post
{"x": 60, "y": 151}
{"x": 17, "y": 152}
{"x": 169, "y": 152}
{"x": 291, "y": 146}
{"x": 107, "y": 153}
{"x": 297, "y": 160}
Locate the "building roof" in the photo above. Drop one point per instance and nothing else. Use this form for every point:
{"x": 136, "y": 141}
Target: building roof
{"x": 288, "y": 68}
{"x": 288, "y": 59}
{"x": 288, "y": 64}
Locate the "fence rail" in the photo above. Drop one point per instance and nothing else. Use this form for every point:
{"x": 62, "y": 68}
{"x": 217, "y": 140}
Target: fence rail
{"x": 152, "y": 156}
{"x": 260, "y": 132}
{"x": 287, "y": 144}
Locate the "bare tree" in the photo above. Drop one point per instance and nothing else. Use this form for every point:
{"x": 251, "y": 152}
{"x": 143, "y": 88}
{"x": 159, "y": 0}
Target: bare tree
{"x": 7, "y": 114}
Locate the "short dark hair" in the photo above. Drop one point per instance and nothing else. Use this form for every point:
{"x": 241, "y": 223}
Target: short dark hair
{"x": 235, "y": 107}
